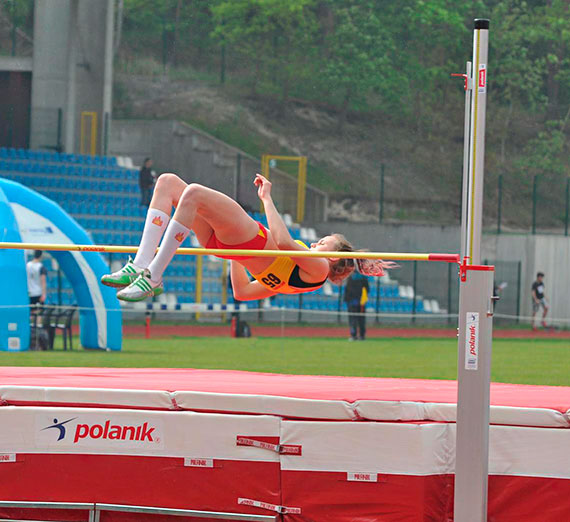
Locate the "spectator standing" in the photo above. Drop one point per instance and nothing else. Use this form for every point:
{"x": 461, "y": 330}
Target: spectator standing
{"x": 355, "y": 297}
{"x": 37, "y": 274}
{"x": 539, "y": 299}
{"x": 497, "y": 289}
{"x": 146, "y": 181}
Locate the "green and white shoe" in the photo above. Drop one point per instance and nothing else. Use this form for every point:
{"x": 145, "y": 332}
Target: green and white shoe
{"x": 141, "y": 288}
{"x": 123, "y": 277}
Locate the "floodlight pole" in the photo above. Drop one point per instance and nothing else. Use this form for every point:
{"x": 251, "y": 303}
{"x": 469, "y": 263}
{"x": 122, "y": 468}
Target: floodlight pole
{"x": 475, "y": 309}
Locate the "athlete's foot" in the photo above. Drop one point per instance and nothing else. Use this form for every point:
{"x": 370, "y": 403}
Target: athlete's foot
{"x": 141, "y": 288}
{"x": 123, "y": 277}
{"x": 544, "y": 325}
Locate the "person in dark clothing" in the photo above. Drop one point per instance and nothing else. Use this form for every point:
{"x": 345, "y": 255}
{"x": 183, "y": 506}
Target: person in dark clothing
{"x": 355, "y": 297}
{"x": 539, "y": 299}
{"x": 146, "y": 181}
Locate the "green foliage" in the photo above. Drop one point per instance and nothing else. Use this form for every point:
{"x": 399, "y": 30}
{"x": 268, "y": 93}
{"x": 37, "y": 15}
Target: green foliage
{"x": 20, "y": 12}
{"x": 273, "y": 36}
{"x": 358, "y": 55}
{"x": 547, "y": 154}
{"x": 18, "y": 15}
{"x": 391, "y": 55}
{"x": 168, "y": 29}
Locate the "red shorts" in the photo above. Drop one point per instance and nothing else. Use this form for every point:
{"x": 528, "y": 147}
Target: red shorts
{"x": 257, "y": 243}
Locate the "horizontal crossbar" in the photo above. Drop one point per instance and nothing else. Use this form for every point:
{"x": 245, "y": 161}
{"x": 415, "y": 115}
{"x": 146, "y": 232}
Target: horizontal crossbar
{"x": 123, "y": 249}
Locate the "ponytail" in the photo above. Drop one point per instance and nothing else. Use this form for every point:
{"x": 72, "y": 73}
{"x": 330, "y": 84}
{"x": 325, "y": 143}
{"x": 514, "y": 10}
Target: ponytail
{"x": 342, "y": 268}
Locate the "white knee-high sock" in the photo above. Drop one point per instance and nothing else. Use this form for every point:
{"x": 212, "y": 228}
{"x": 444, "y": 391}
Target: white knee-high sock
{"x": 154, "y": 227}
{"x": 174, "y": 236}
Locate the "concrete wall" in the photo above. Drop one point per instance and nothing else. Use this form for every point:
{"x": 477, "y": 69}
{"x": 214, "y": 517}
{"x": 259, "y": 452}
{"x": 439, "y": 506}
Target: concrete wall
{"x": 71, "y": 68}
{"x": 397, "y": 237}
{"x": 198, "y": 157}
{"x": 548, "y": 254}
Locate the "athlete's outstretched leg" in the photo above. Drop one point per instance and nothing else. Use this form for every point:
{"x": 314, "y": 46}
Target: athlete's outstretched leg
{"x": 206, "y": 211}
{"x": 169, "y": 189}
{"x": 198, "y": 208}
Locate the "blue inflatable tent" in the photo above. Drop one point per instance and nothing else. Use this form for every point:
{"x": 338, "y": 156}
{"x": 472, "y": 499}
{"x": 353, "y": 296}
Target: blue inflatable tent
{"x": 29, "y": 217}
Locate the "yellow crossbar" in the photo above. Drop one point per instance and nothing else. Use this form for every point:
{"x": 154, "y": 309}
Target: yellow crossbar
{"x": 389, "y": 256}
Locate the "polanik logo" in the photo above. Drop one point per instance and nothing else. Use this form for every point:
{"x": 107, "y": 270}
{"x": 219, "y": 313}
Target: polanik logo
{"x": 472, "y": 341}
{"x": 60, "y": 427}
{"x": 100, "y": 431}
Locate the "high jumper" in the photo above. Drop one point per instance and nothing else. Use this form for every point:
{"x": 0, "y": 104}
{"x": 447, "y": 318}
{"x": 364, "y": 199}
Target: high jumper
{"x": 219, "y": 222}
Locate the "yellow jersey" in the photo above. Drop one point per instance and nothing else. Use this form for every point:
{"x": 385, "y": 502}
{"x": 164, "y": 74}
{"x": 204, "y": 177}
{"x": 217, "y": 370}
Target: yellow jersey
{"x": 282, "y": 277}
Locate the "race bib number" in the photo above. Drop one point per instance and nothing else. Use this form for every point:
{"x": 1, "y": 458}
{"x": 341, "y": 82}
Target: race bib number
{"x": 271, "y": 280}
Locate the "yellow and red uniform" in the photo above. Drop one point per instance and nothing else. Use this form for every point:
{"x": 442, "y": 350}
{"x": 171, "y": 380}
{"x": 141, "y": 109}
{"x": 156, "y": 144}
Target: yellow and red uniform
{"x": 282, "y": 277}
{"x": 257, "y": 243}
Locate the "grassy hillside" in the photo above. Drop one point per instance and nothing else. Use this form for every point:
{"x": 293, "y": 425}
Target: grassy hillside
{"x": 423, "y": 169}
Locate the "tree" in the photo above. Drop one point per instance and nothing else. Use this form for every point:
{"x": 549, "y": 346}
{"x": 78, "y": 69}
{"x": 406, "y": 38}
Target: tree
{"x": 267, "y": 33}
{"x": 358, "y": 55}
{"x": 517, "y": 83}
{"x": 168, "y": 29}
{"x": 435, "y": 40}
{"x": 549, "y": 36}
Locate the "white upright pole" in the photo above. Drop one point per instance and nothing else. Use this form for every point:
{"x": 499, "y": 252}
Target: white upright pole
{"x": 475, "y": 317}
{"x": 477, "y": 141}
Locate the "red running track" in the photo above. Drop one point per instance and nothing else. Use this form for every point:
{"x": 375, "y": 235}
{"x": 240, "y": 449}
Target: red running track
{"x": 162, "y": 330}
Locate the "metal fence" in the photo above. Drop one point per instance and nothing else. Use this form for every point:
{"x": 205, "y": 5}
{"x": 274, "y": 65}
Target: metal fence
{"x": 541, "y": 205}
{"x": 512, "y": 203}
{"x": 91, "y": 512}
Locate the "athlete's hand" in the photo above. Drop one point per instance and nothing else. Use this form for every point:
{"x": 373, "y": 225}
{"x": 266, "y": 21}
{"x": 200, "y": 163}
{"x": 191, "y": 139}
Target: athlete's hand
{"x": 263, "y": 186}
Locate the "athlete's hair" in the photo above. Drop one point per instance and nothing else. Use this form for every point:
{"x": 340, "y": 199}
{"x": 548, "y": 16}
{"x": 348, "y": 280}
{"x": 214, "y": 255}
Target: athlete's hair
{"x": 37, "y": 254}
{"x": 341, "y": 268}
{"x": 539, "y": 274}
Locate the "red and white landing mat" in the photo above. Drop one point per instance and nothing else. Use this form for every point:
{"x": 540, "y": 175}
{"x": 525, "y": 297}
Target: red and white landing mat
{"x": 290, "y": 396}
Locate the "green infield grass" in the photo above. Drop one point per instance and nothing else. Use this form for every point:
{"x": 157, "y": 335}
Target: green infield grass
{"x": 533, "y": 361}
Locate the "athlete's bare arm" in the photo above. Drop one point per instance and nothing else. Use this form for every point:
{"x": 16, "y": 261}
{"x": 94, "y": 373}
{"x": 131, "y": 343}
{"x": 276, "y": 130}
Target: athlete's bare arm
{"x": 314, "y": 269}
{"x": 243, "y": 288}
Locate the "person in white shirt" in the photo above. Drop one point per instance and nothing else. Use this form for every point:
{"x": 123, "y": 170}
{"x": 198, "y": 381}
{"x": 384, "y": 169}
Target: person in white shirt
{"x": 37, "y": 274}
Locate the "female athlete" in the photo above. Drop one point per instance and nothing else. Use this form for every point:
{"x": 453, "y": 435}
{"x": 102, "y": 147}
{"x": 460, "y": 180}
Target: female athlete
{"x": 220, "y": 222}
